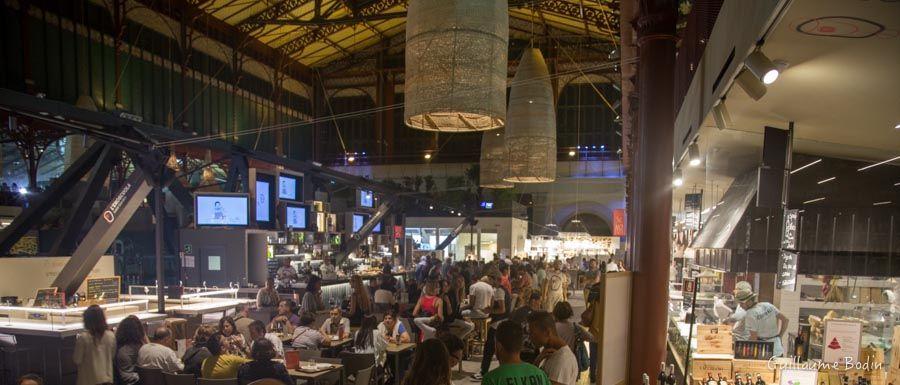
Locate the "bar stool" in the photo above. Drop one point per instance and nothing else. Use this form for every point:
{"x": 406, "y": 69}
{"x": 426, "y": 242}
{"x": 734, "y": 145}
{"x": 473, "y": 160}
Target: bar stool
{"x": 479, "y": 336}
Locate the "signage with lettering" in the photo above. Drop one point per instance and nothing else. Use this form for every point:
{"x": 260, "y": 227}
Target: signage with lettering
{"x": 841, "y": 341}
{"x": 789, "y": 229}
{"x": 619, "y": 222}
{"x": 787, "y": 270}
{"x": 692, "y": 207}
{"x": 105, "y": 289}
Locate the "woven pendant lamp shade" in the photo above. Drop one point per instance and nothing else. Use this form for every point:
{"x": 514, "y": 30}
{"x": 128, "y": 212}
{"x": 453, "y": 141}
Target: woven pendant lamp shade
{"x": 456, "y": 58}
{"x": 531, "y": 125}
{"x": 494, "y": 159}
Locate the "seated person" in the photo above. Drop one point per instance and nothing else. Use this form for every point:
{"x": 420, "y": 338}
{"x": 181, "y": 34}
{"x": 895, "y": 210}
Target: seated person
{"x": 158, "y": 354}
{"x": 335, "y": 325}
{"x": 220, "y": 365}
{"x": 305, "y": 337}
{"x": 195, "y": 354}
{"x": 258, "y": 330}
{"x": 392, "y": 329}
{"x": 285, "y": 321}
{"x": 262, "y": 365}
{"x": 369, "y": 340}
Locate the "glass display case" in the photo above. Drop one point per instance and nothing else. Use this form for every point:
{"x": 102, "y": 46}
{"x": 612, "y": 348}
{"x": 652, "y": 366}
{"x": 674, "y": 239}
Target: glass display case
{"x": 64, "y": 318}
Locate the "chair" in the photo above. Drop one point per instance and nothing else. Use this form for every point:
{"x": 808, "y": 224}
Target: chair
{"x": 354, "y": 362}
{"x": 151, "y": 376}
{"x": 210, "y": 381}
{"x": 267, "y": 381}
{"x": 306, "y": 355}
{"x": 179, "y": 379}
{"x": 364, "y": 376}
{"x": 479, "y": 336}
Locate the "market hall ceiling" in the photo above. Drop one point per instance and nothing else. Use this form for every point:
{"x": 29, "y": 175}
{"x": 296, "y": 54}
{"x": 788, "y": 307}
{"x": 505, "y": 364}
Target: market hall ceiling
{"x": 317, "y": 33}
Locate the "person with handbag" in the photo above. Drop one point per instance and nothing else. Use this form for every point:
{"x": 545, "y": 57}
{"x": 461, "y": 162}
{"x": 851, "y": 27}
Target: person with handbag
{"x": 574, "y": 334}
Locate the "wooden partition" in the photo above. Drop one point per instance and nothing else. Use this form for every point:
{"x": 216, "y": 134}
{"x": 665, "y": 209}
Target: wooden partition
{"x": 612, "y": 314}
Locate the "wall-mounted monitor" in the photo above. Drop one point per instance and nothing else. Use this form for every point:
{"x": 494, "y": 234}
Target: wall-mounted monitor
{"x": 296, "y": 217}
{"x": 377, "y": 229}
{"x": 221, "y": 209}
{"x": 358, "y": 221}
{"x": 264, "y": 201}
{"x": 290, "y": 187}
{"x": 365, "y": 198}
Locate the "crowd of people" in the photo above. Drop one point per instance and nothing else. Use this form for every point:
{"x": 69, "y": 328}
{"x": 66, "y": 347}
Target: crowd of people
{"x": 524, "y": 306}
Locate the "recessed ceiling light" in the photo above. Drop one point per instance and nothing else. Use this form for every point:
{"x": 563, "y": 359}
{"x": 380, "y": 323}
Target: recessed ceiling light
{"x": 814, "y": 200}
{"x": 677, "y": 179}
{"x": 881, "y": 203}
{"x": 827, "y": 180}
{"x": 879, "y": 163}
{"x": 571, "y": 153}
{"x": 427, "y": 156}
{"x": 805, "y": 166}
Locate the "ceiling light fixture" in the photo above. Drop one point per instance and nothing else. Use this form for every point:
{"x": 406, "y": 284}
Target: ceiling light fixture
{"x": 677, "y": 178}
{"x": 427, "y": 156}
{"x": 796, "y": 170}
{"x": 721, "y": 116}
{"x": 751, "y": 85}
{"x": 761, "y": 67}
{"x": 897, "y": 126}
{"x": 571, "y": 152}
{"x": 881, "y": 203}
{"x": 814, "y": 200}
{"x": 351, "y": 159}
{"x": 694, "y": 154}
{"x": 879, "y": 163}
{"x": 826, "y": 180}
{"x": 431, "y": 207}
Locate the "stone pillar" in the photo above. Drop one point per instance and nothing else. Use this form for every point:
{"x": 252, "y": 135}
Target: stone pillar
{"x": 652, "y": 200}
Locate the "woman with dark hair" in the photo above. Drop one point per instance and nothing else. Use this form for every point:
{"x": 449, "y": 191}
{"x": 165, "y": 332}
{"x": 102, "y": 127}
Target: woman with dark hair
{"x": 220, "y": 365}
{"x": 234, "y": 340}
{"x": 262, "y": 365}
{"x": 95, "y": 349}
{"x": 360, "y": 301}
{"x": 427, "y": 314}
{"x": 197, "y": 352}
{"x": 369, "y": 340}
{"x": 453, "y": 321}
{"x": 130, "y": 336}
{"x": 312, "y": 299}
{"x": 430, "y": 365}
{"x": 569, "y": 331}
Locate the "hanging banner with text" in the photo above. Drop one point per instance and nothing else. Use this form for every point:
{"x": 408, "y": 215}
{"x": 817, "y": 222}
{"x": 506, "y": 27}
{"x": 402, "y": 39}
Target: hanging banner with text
{"x": 692, "y": 207}
{"x": 619, "y": 222}
{"x": 789, "y": 229}
{"x": 787, "y": 271}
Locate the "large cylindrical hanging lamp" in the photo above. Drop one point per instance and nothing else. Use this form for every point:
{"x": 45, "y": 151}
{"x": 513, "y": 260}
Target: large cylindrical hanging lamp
{"x": 494, "y": 159}
{"x": 456, "y": 58}
{"x": 531, "y": 124}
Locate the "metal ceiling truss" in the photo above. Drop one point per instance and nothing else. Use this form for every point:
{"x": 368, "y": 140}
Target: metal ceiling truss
{"x": 277, "y": 10}
{"x": 317, "y": 34}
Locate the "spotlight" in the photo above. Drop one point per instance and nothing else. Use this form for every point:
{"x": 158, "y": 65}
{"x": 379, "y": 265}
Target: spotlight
{"x": 571, "y": 152}
{"x": 602, "y": 146}
{"x": 897, "y": 126}
{"x": 677, "y": 178}
{"x": 694, "y": 154}
{"x": 761, "y": 67}
{"x": 351, "y": 159}
{"x": 721, "y": 116}
{"x": 431, "y": 207}
{"x": 452, "y": 212}
{"x": 459, "y": 214}
{"x": 427, "y": 156}
{"x": 23, "y": 190}
{"x": 751, "y": 85}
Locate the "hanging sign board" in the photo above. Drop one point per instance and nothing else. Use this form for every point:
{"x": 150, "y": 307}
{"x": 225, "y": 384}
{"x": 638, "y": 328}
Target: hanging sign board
{"x": 841, "y": 342}
{"x": 789, "y": 230}
{"x": 787, "y": 270}
{"x": 619, "y": 222}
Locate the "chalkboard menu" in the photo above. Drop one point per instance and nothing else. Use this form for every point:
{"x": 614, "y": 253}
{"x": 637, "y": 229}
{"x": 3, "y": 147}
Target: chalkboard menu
{"x": 789, "y": 230}
{"x": 43, "y": 296}
{"x": 787, "y": 271}
{"x": 106, "y": 289}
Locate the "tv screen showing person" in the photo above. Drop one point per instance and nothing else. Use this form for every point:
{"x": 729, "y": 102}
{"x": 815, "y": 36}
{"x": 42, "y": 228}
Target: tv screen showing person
{"x": 218, "y": 210}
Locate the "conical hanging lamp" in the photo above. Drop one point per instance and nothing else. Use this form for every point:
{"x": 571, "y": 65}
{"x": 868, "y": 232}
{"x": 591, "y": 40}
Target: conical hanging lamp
{"x": 531, "y": 125}
{"x": 456, "y": 58}
{"x": 494, "y": 159}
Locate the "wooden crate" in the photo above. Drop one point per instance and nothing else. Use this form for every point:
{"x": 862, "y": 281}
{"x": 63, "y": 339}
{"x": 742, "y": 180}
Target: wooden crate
{"x": 700, "y": 368}
{"x": 714, "y": 339}
{"x": 753, "y": 367}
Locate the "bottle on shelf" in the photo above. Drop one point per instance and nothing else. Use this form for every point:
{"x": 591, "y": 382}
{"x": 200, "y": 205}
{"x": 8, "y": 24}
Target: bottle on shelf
{"x": 759, "y": 380}
{"x": 748, "y": 379}
{"x": 670, "y": 380}
{"x": 722, "y": 380}
{"x": 799, "y": 347}
{"x": 661, "y": 378}
{"x": 709, "y": 379}
{"x": 737, "y": 379}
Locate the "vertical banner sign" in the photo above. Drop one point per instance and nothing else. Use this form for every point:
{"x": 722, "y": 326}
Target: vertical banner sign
{"x": 619, "y": 222}
{"x": 787, "y": 258}
{"x": 789, "y": 230}
{"x": 692, "y": 206}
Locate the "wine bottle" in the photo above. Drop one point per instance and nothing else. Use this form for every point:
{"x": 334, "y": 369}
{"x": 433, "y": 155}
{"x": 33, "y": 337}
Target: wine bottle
{"x": 722, "y": 380}
{"x": 710, "y": 380}
{"x": 670, "y": 380}
{"x": 661, "y": 378}
{"x": 799, "y": 347}
{"x": 759, "y": 380}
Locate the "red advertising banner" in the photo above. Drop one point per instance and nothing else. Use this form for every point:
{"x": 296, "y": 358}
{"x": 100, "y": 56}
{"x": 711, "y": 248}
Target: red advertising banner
{"x": 619, "y": 222}
{"x": 398, "y": 232}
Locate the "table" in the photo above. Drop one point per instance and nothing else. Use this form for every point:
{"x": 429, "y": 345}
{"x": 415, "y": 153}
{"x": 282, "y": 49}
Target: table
{"x": 397, "y": 350}
{"x": 313, "y": 376}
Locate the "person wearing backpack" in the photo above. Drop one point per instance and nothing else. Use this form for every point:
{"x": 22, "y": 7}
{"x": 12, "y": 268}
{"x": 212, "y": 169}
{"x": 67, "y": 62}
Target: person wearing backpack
{"x": 573, "y": 334}
{"x": 556, "y": 358}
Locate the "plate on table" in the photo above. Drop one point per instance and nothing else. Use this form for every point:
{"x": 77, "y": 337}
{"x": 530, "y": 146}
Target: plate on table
{"x": 315, "y": 368}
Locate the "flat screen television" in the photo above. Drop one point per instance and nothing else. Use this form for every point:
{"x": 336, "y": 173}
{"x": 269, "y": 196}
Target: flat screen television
{"x": 296, "y": 217}
{"x": 358, "y": 221}
{"x": 221, "y": 209}
{"x": 377, "y": 229}
{"x": 365, "y": 198}
{"x": 290, "y": 187}
{"x": 264, "y": 201}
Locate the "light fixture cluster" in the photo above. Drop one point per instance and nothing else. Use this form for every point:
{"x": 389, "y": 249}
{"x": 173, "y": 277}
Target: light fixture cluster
{"x": 761, "y": 71}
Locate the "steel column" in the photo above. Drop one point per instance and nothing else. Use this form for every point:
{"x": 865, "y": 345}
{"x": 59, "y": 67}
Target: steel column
{"x": 364, "y": 231}
{"x": 456, "y": 230}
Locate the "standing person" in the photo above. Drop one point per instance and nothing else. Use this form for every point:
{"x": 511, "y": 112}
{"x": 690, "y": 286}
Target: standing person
{"x": 368, "y": 340}
{"x": 360, "y": 301}
{"x": 428, "y": 312}
{"x": 574, "y": 334}
{"x": 220, "y": 365}
{"x": 312, "y": 298}
{"x": 384, "y": 297}
{"x": 234, "y": 340}
{"x": 286, "y": 273}
{"x": 556, "y": 358}
{"x": 430, "y": 365}
{"x": 335, "y": 325}
{"x": 258, "y": 330}
{"x": 242, "y": 322}
{"x": 392, "y": 329}
{"x": 540, "y": 274}
{"x": 499, "y": 312}
{"x": 95, "y": 349}
{"x": 422, "y": 269}
{"x": 267, "y": 297}
{"x": 158, "y": 354}
{"x": 481, "y": 296}
{"x": 130, "y": 336}
{"x": 195, "y": 354}
{"x": 555, "y": 287}
{"x": 286, "y": 320}
{"x": 262, "y": 365}
{"x": 761, "y": 319}
{"x": 504, "y": 277}
{"x": 512, "y": 370}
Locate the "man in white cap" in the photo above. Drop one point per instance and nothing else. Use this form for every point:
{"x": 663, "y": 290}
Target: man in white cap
{"x": 761, "y": 318}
